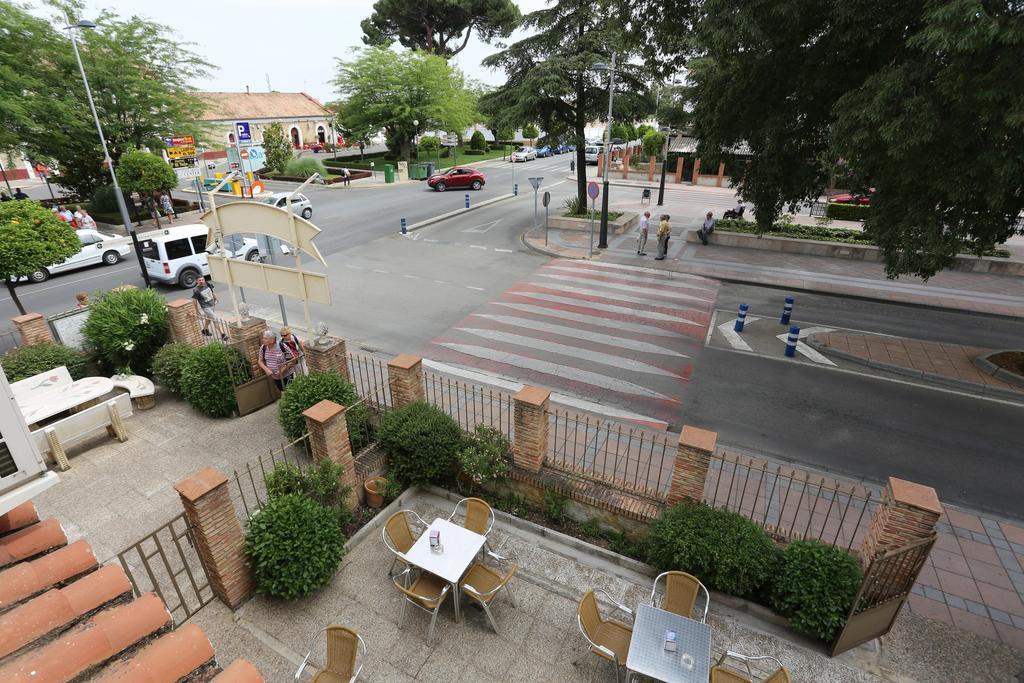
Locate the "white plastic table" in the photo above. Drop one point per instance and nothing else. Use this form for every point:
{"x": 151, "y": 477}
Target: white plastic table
{"x": 41, "y": 404}
{"x": 460, "y": 548}
{"x": 648, "y": 657}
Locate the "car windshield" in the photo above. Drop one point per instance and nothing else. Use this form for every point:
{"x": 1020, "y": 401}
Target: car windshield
{"x": 592, "y": 150}
{"x": 269, "y": 200}
{"x": 522, "y": 149}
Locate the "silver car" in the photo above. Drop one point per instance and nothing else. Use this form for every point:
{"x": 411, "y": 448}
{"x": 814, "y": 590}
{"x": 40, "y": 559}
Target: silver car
{"x": 300, "y": 203}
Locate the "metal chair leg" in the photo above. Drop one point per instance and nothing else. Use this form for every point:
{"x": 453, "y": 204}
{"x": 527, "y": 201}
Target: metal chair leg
{"x": 490, "y": 618}
{"x": 433, "y": 621}
{"x": 511, "y": 596}
{"x": 401, "y": 619}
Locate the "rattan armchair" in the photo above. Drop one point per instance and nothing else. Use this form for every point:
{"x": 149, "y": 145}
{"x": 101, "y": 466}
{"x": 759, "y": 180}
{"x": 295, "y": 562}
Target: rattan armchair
{"x": 427, "y": 592}
{"x": 399, "y": 536}
{"x": 680, "y": 594}
{"x": 479, "y": 516}
{"x": 722, "y": 674}
{"x": 607, "y": 638}
{"x": 345, "y": 648}
{"x": 483, "y": 582}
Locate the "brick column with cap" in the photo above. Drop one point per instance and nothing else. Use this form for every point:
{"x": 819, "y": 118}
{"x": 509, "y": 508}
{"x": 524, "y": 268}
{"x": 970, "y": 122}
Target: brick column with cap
{"x": 405, "y": 377}
{"x": 908, "y": 512}
{"x": 183, "y": 322}
{"x": 650, "y": 168}
{"x": 33, "y": 329}
{"x": 695, "y": 177}
{"x": 693, "y": 457}
{"x": 530, "y": 446}
{"x": 328, "y": 439}
{"x": 330, "y": 355}
{"x": 680, "y": 164}
{"x": 600, "y": 164}
{"x": 218, "y": 535}
{"x": 721, "y": 174}
{"x": 250, "y": 334}
{"x": 625, "y": 164}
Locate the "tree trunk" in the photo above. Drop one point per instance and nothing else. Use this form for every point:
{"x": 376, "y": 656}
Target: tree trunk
{"x": 581, "y": 147}
{"x": 14, "y": 296}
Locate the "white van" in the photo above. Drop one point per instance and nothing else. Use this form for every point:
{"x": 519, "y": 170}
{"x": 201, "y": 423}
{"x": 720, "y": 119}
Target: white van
{"x": 590, "y": 153}
{"x": 178, "y": 256}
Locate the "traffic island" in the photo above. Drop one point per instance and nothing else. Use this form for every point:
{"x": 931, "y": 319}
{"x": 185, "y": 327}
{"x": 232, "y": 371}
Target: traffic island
{"x": 1005, "y": 364}
{"x": 618, "y": 222}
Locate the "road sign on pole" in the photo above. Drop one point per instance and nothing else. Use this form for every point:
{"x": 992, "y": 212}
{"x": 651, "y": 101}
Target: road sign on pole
{"x": 546, "y": 200}
{"x": 593, "y": 200}
{"x": 536, "y": 186}
{"x": 242, "y": 131}
{"x": 593, "y": 190}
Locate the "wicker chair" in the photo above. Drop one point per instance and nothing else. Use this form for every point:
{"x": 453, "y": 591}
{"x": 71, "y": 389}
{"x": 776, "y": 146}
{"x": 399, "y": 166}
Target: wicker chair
{"x": 344, "y": 648}
{"x": 427, "y": 592}
{"x": 680, "y": 594}
{"x": 607, "y": 638}
{"x": 722, "y": 674}
{"x": 399, "y": 537}
{"x": 482, "y": 583}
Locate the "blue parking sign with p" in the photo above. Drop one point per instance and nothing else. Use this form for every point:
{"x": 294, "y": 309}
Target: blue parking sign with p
{"x": 242, "y": 130}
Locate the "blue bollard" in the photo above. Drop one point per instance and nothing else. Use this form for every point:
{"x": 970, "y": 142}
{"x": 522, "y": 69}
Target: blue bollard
{"x": 791, "y": 341}
{"x": 741, "y": 318}
{"x": 787, "y": 310}
{"x": 515, "y": 190}
{"x": 405, "y": 227}
{"x": 467, "y": 200}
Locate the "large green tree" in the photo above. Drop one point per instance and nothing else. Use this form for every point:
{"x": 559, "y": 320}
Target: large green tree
{"x": 31, "y": 237}
{"x": 381, "y": 90}
{"x": 277, "y": 147}
{"x": 144, "y": 173}
{"x": 441, "y": 27}
{"x": 550, "y": 78}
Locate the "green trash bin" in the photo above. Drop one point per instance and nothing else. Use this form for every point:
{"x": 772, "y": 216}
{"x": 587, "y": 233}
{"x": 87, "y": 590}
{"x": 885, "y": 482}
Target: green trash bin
{"x": 389, "y": 173}
{"x": 418, "y": 172}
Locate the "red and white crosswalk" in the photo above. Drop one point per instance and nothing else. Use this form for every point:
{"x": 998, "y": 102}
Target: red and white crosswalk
{"x": 607, "y": 333}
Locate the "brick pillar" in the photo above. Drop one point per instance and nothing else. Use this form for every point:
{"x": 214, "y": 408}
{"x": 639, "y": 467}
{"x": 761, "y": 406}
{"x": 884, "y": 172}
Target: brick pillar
{"x": 183, "y": 322}
{"x": 33, "y": 329}
{"x": 328, "y": 439}
{"x": 721, "y": 174}
{"x": 250, "y": 334}
{"x": 329, "y": 356}
{"x": 696, "y": 171}
{"x": 218, "y": 535}
{"x": 680, "y": 163}
{"x": 405, "y": 377}
{"x": 693, "y": 457}
{"x": 908, "y": 512}
{"x": 625, "y": 165}
{"x": 600, "y": 164}
{"x": 530, "y": 446}
{"x": 650, "y": 168}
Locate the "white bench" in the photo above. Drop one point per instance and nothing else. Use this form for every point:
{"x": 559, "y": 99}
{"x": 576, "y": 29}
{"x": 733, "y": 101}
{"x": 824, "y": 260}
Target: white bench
{"x": 110, "y": 415}
{"x": 139, "y": 388}
{"x": 26, "y": 390}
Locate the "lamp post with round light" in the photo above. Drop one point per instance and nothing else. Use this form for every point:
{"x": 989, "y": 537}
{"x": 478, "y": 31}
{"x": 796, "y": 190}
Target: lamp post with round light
{"x": 603, "y": 237}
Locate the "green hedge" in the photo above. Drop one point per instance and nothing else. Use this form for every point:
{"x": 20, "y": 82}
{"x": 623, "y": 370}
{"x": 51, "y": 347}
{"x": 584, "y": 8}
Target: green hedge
{"x": 35, "y": 359}
{"x": 322, "y": 483}
{"x": 814, "y": 587}
{"x": 168, "y": 363}
{"x": 847, "y": 212}
{"x": 206, "y": 378}
{"x": 475, "y": 152}
{"x": 806, "y": 232}
{"x": 423, "y": 444}
{"x": 305, "y": 392}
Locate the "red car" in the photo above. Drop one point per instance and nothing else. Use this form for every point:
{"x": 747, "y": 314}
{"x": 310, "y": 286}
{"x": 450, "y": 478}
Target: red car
{"x": 457, "y": 177}
{"x": 853, "y": 198}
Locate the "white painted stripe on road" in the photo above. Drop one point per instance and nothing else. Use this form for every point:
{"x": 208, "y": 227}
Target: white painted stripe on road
{"x": 608, "y": 308}
{"x": 616, "y": 296}
{"x": 635, "y": 288}
{"x": 597, "y": 337}
{"x": 733, "y": 337}
{"x": 504, "y": 251}
{"x": 561, "y": 399}
{"x": 566, "y": 350}
{"x": 598, "y": 265}
{"x": 805, "y": 350}
{"x": 412, "y": 277}
{"x": 556, "y": 370}
{"x": 596, "y": 321}
{"x": 631, "y": 278}
{"x": 382, "y": 272}
{"x": 477, "y": 289}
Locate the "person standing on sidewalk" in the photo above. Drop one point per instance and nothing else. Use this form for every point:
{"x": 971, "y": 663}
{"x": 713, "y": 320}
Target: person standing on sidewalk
{"x": 664, "y": 232}
{"x": 292, "y": 343}
{"x": 206, "y": 299}
{"x": 276, "y": 360}
{"x": 641, "y": 233}
{"x": 706, "y": 228}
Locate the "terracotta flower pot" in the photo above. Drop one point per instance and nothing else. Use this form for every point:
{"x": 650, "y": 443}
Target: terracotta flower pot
{"x": 374, "y": 496}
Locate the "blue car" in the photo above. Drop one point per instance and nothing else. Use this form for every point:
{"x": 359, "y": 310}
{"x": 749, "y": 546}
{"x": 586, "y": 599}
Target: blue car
{"x": 544, "y": 151}
{"x": 561, "y": 149}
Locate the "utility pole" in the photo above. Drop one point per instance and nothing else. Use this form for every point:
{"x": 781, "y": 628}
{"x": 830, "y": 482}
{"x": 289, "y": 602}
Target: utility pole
{"x": 602, "y": 242}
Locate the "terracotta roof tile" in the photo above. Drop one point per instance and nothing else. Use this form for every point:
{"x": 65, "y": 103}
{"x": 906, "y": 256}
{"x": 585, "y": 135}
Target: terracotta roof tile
{"x": 31, "y": 541}
{"x": 60, "y": 607}
{"x": 89, "y": 644}
{"x": 17, "y": 518}
{"x": 240, "y": 106}
{"x": 167, "y": 659}
{"x": 29, "y": 578}
{"x": 240, "y": 671}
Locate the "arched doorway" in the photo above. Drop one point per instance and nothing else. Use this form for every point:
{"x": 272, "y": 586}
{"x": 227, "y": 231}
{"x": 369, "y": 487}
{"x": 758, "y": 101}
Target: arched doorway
{"x": 321, "y": 134}
{"x": 296, "y": 139}
{"x": 231, "y": 138}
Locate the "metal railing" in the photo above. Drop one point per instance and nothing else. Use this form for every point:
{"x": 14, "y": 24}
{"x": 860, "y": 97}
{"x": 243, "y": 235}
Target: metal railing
{"x": 363, "y": 418}
{"x": 249, "y": 483}
{"x": 819, "y": 209}
{"x": 9, "y": 340}
{"x": 790, "y": 504}
{"x": 470, "y": 405}
{"x": 636, "y": 459}
{"x": 165, "y": 562}
{"x": 370, "y": 377}
{"x": 212, "y": 329}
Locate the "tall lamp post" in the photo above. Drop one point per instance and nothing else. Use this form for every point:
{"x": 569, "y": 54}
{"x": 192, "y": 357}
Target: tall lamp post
{"x": 602, "y": 242}
{"x": 664, "y": 161}
{"x": 84, "y": 24}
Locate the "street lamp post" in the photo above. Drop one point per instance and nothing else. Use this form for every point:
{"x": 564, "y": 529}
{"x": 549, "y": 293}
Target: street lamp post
{"x": 82, "y": 23}
{"x": 603, "y": 237}
{"x": 664, "y": 161}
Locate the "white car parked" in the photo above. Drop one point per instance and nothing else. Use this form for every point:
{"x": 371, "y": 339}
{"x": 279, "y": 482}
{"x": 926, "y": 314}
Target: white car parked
{"x": 300, "y": 203}
{"x": 590, "y": 153}
{"x": 524, "y": 154}
{"x": 97, "y": 247}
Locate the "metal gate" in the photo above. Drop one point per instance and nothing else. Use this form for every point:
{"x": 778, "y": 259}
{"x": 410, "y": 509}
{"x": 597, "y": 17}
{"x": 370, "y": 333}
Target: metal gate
{"x": 885, "y": 588}
{"x": 166, "y": 563}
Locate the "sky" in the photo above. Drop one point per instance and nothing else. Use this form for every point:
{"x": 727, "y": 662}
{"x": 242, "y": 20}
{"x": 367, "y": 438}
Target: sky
{"x": 294, "y": 43}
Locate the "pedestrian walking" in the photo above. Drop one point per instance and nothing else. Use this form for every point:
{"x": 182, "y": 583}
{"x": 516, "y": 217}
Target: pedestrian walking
{"x": 664, "y": 232}
{"x": 292, "y": 342}
{"x": 85, "y": 221}
{"x": 706, "y": 228}
{"x": 206, "y": 298}
{"x": 641, "y": 233}
{"x": 83, "y": 300}
{"x": 572, "y": 166}
{"x": 149, "y": 206}
{"x": 346, "y": 177}
{"x": 19, "y": 195}
{"x": 276, "y": 360}
{"x": 166, "y": 205}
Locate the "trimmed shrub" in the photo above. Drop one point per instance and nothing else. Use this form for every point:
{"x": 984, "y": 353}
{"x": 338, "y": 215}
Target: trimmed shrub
{"x": 104, "y": 200}
{"x": 294, "y": 546}
{"x": 206, "y": 379}
{"x": 477, "y": 142}
{"x": 304, "y": 167}
{"x": 723, "y": 549}
{"x": 168, "y": 362}
{"x": 423, "y": 443}
{"x": 847, "y": 212}
{"x": 305, "y": 392}
{"x": 483, "y": 460}
{"x": 322, "y": 483}
{"x": 125, "y": 328}
{"x": 31, "y": 360}
{"x": 814, "y": 587}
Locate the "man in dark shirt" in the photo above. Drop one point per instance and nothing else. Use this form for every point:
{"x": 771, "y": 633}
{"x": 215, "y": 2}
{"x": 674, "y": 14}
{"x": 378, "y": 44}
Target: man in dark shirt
{"x": 18, "y": 194}
{"x": 206, "y": 299}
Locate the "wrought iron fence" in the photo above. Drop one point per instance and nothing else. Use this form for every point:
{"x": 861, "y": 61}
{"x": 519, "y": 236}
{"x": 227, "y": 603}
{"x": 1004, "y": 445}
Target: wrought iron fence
{"x": 166, "y": 562}
{"x": 370, "y": 377}
{"x": 819, "y": 209}
{"x": 790, "y": 504}
{"x": 363, "y": 418}
{"x": 249, "y": 484}
{"x": 9, "y": 340}
{"x": 211, "y": 329}
{"x": 470, "y": 405}
{"x": 634, "y": 458}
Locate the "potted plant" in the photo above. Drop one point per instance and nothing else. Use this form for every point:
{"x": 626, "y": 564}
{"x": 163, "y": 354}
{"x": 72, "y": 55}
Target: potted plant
{"x": 375, "y": 491}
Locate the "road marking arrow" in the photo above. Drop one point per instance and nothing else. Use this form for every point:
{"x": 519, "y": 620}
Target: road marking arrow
{"x": 805, "y": 350}
{"x": 482, "y": 228}
{"x": 733, "y": 337}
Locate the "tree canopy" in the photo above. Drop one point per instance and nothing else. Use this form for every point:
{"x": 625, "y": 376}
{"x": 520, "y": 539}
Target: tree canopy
{"x": 277, "y": 147}
{"x": 383, "y": 90}
{"x": 144, "y": 173}
{"x": 441, "y": 27}
{"x": 31, "y": 237}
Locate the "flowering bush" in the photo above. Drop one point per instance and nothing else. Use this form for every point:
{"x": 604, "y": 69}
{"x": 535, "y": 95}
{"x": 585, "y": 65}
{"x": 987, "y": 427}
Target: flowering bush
{"x": 125, "y": 328}
{"x": 483, "y": 459}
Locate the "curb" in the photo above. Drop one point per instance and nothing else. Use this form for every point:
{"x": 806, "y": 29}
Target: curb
{"x": 547, "y": 252}
{"x": 989, "y": 368}
{"x": 456, "y": 212}
{"x": 951, "y": 382}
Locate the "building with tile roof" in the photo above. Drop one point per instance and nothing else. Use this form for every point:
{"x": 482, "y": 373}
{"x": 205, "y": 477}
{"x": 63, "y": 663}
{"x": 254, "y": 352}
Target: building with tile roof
{"x": 304, "y": 118}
